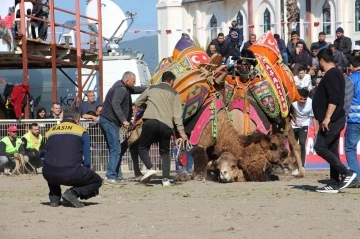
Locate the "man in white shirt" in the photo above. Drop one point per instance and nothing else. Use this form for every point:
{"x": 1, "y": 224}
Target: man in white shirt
{"x": 301, "y": 120}
{"x": 303, "y": 80}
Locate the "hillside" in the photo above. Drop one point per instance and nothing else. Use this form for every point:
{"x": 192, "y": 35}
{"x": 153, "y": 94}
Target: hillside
{"x": 147, "y": 45}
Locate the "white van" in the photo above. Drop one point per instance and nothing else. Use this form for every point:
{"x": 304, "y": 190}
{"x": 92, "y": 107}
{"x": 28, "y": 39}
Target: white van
{"x": 41, "y": 86}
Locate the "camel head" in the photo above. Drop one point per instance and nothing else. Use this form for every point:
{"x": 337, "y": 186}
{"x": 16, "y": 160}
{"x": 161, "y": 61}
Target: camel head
{"x": 226, "y": 167}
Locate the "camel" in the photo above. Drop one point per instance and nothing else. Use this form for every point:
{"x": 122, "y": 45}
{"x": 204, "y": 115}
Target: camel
{"x": 245, "y": 165}
{"x": 255, "y": 154}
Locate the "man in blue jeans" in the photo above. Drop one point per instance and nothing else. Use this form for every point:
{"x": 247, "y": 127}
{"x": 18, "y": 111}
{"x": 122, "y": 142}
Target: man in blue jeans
{"x": 117, "y": 112}
{"x": 352, "y": 133}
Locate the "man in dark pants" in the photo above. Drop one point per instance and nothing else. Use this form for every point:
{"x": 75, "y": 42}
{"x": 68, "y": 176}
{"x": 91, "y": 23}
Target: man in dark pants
{"x": 40, "y": 11}
{"x": 300, "y": 122}
{"x": 163, "y": 111}
{"x": 67, "y": 144}
{"x": 328, "y": 107}
{"x": 117, "y": 112}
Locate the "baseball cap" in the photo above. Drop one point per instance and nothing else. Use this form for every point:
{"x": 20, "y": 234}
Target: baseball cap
{"x": 12, "y": 128}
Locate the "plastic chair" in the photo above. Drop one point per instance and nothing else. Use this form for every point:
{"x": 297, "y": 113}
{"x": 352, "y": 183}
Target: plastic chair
{"x": 28, "y": 11}
{"x": 68, "y": 34}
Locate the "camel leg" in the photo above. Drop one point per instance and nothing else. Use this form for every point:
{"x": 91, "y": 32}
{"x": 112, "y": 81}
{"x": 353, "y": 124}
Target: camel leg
{"x": 295, "y": 147}
{"x": 200, "y": 162}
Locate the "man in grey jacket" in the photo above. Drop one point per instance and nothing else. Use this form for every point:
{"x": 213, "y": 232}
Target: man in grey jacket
{"x": 162, "y": 112}
{"x": 117, "y": 112}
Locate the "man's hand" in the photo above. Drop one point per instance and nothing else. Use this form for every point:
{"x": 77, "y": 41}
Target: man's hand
{"x": 94, "y": 118}
{"x": 126, "y": 124}
{"x": 325, "y": 124}
{"x": 184, "y": 136}
{"x": 139, "y": 122}
{"x": 16, "y": 155}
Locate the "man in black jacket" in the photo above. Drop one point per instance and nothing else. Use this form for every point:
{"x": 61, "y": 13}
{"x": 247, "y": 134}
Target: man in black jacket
{"x": 343, "y": 44}
{"x": 117, "y": 112}
{"x": 252, "y": 40}
{"x": 328, "y": 108}
{"x": 222, "y": 47}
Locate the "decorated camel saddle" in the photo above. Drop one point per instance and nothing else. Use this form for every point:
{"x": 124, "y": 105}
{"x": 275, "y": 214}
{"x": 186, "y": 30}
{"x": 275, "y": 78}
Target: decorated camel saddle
{"x": 198, "y": 76}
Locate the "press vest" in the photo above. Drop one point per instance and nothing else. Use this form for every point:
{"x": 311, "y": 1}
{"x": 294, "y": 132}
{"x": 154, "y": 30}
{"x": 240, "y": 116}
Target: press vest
{"x": 29, "y": 143}
{"x": 354, "y": 112}
{"x": 10, "y": 149}
{"x": 64, "y": 146}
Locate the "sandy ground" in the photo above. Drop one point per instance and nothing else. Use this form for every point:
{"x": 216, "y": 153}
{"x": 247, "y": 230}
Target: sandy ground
{"x": 284, "y": 209}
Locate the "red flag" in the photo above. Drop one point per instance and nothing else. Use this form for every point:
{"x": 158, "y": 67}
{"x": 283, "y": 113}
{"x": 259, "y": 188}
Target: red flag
{"x": 316, "y": 24}
{"x": 168, "y": 31}
{"x": 136, "y": 31}
{"x": 251, "y": 26}
{"x": 282, "y": 23}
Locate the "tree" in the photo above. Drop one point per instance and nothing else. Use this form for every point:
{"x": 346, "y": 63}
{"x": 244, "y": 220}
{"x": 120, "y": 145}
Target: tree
{"x": 292, "y": 14}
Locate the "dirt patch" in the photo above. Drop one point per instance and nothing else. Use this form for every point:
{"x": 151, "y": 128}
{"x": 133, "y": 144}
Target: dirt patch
{"x": 283, "y": 209}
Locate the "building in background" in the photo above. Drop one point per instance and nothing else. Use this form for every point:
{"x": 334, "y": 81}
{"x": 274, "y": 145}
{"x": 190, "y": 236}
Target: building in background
{"x": 203, "y": 19}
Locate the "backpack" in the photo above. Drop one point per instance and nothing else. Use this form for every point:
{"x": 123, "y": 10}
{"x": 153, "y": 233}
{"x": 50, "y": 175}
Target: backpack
{"x": 349, "y": 94}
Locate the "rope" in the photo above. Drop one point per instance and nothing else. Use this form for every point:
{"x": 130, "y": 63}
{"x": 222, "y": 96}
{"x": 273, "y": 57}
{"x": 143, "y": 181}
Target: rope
{"x": 20, "y": 166}
{"x": 181, "y": 145}
{"x": 214, "y": 118}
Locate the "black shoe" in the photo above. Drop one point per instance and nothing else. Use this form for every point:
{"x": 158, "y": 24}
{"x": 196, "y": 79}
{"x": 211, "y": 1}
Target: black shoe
{"x": 346, "y": 180}
{"x": 328, "y": 189}
{"x": 54, "y": 203}
{"x": 71, "y": 197}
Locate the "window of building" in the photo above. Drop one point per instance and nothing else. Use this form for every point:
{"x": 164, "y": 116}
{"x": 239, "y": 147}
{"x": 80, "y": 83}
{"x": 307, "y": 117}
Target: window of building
{"x": 326, "y": 17}
{"x": 267, "y": 20}
{"x": 357, "y": 15}
{"x": 213, "y": 27}
{"x": 239, "y": 19}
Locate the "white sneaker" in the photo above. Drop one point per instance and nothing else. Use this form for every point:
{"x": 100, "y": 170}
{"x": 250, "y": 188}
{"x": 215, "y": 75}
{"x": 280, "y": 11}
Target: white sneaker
{"x": 295, "y": 172}
{"x": 149, "y": 174}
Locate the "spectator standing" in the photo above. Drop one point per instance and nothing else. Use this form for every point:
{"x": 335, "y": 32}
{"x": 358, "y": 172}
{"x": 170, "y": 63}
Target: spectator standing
{"x": 343, "y": 44}
{"x": 42, "y": 12}
{"x": 222, "y": 47}
{"x": 163, "y": 111}
{"x": 236, "y": 38}
{"x": 41, "y": 113}
{"x": 90, "y": 105}
{"x": 300, "y": 123}
{"x": 352, "y": 133}
{"x": 117, "y": 112}
{"x": 328, "y": 107}
{"x": 251, "y": 41}
{"x": 303, "y": 80}
{"x": 67, "y": 162}
{"x": 282, "y": 48}
{"x": 55, "y": 111}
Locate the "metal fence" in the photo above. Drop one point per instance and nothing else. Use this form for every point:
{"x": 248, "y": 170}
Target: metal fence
{"x": 99, "y": 150}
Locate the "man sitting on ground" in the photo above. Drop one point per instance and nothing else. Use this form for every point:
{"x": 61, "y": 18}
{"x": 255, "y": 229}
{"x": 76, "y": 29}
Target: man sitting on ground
{"x": 11, "y": 148}
{"x": 33, "y": 144}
